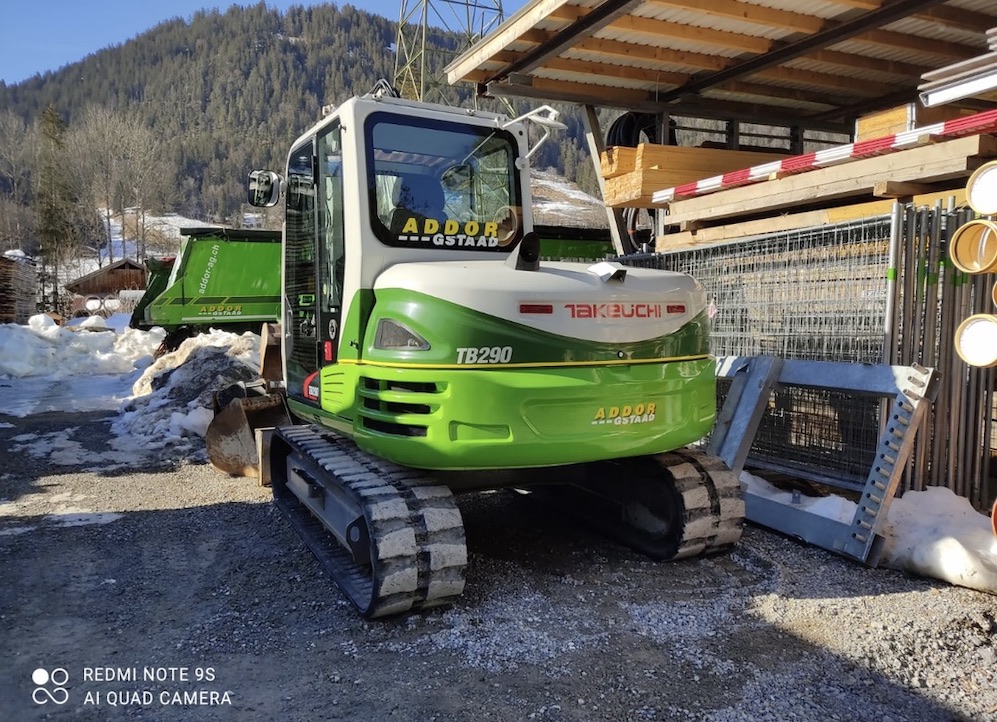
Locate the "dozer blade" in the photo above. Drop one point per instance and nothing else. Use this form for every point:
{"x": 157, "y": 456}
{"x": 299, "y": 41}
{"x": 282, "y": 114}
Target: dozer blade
{"x": 231, "y": 435}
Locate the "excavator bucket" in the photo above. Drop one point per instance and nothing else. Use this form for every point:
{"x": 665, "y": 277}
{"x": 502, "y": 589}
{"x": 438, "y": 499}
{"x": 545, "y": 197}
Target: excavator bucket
{"x": 240, "y": 411}
{"x": 270, "y": 353}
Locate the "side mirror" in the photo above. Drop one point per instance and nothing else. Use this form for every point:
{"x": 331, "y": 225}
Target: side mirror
{"x": 264, "y": 188}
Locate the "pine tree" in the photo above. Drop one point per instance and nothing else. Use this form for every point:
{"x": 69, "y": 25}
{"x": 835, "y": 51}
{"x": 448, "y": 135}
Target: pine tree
{"x": 55, "y": 203}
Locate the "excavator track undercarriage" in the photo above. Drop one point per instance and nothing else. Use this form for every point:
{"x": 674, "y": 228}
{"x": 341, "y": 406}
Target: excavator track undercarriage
{"x": 674, "y": 505}
{"x": 390, "y": 538}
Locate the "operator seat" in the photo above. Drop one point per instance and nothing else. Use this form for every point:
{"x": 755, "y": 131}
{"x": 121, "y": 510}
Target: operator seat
{"x": 416, "y": 196}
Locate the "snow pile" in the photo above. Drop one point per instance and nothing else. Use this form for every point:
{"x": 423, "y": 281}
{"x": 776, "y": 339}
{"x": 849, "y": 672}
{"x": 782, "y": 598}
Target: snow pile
{"x": 43, "y": 348}
{"x": 164, "y": 405}
{"x": 831, "y": 507}
{"x": 171, "y": 403}
{"x": 933, "y": 532}
{"x": 937, "y": 534}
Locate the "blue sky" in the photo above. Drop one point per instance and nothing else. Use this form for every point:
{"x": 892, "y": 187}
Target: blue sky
{"x": 40, "y": 35}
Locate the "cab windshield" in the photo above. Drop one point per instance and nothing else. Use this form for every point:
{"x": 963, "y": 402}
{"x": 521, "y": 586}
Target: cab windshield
{"x": 442, "y": 185}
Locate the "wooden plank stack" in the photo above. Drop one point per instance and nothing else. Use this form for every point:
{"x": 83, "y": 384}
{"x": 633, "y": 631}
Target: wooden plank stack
{"x": 18, "y": 285}
{"x": 931, "y": 167}
{"x": 904, "y": 118}
{"x": 632, "y": 175}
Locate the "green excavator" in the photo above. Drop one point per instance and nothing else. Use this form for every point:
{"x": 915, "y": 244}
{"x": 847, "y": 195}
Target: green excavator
{"x": 427, "y": 351}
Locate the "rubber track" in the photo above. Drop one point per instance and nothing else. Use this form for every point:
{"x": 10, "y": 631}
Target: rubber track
{"x": 669, "y": 506}
{"x": 713, "y": 506}
{"x": 417, "y": 546}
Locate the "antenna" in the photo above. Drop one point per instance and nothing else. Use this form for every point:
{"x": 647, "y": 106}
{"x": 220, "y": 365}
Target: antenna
{"x": 426, "y": 43}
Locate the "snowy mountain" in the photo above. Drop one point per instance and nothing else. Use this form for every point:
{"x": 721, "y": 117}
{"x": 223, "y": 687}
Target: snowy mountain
{"x": 560, "y": 202}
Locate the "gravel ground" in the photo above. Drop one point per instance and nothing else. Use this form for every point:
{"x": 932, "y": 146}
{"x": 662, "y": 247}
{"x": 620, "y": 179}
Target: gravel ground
{"x": 193, "y": 578}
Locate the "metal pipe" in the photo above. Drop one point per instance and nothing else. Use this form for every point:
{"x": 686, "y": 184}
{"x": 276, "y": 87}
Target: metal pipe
{"x": 933, "y": 305}
{"x": 890, "y": 329}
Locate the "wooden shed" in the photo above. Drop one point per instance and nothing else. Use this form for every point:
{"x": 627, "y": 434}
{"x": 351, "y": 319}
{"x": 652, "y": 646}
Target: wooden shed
{"x": 812, "y": 68}
{"x": 92, "y": 291}
{"x": 836, "y": 253}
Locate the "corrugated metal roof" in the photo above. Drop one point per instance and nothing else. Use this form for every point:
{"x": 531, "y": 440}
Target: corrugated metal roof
{"x": 816, "y": 63}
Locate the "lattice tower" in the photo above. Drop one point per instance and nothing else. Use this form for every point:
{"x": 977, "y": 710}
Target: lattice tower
{"x": 431, "y": 33}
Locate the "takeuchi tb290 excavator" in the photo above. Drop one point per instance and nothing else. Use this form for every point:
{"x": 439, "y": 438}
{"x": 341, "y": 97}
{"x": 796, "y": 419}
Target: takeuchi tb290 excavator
{"x": 427, "y": 351}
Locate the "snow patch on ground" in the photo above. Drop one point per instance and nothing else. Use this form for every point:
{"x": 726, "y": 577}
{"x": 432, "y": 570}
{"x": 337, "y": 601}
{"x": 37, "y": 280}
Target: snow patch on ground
{"x": 933, "y": 533}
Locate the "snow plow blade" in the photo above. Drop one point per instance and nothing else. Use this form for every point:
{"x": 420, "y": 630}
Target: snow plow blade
{"x": 240, "y": 411}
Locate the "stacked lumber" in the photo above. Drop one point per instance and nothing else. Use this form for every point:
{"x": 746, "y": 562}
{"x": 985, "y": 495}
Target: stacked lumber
{"x": 739, "y": 230}
{"x": 17, "y": 291}
{"x": 903, "y": 118}
{"x": 632, "y": 175}
{"x": 930, "y": 167}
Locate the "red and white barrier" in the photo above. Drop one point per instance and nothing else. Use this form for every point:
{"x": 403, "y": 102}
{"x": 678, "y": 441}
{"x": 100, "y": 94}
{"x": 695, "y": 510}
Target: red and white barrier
{"x": 970, "y": 125}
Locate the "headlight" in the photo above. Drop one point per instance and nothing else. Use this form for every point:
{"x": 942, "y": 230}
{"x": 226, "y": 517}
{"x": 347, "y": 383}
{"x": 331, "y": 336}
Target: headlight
{"x": 395, "y": 336}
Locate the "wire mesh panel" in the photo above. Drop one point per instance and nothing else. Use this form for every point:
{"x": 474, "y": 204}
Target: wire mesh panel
{"x": 816, "y": 294}
{"x": 821, "y": 435}
{"x": 876, "y": 290}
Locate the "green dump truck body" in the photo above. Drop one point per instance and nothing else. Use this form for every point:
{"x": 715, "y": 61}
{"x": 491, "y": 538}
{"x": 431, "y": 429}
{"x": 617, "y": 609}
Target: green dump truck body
{"x": 222, "y": 277}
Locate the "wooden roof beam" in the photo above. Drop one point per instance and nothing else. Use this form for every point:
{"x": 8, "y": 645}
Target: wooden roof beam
{"x": 586, "y": 25}
{"x": 536, "y": 37}
{"x": 861, "y": 62}
{"x": 592, "y": 67}
{"x": 701, "y": 61}
{"x": 651, "y": 54}
{"x": 848, "y": 113}
{"x": 504, "y": 36}
{"x": 786, "y": 75}
{"x": 692, "y": 34}
{"x": 902, "y": 41}
{"x": 744, "y": 12}
{"x": 958, "y": 18}
{"x": 699, "y": 107}
{"x": 839, "y": 33}
{"x": 643, "y": 75}
{"x": 946, "y": 15}
{"x": 568, "y": 13}
{"x": 525, "y": 86}
{"x": 860, "y": 4}
{"x": 547, "y": 90}
{"x": 819, "y": 99}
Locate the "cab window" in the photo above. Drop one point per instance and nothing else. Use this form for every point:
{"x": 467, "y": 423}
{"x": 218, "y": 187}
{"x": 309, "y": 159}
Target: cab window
{"x": 442, "y": 185}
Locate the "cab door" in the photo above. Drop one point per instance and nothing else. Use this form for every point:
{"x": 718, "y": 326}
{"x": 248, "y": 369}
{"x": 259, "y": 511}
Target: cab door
{"x": 314, "y": 262}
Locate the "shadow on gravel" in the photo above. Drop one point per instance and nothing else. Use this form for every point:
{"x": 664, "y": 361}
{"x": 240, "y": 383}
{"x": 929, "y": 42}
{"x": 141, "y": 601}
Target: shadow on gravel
{"x": 555, "y": 625}
{"x": 556, "y": 542}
